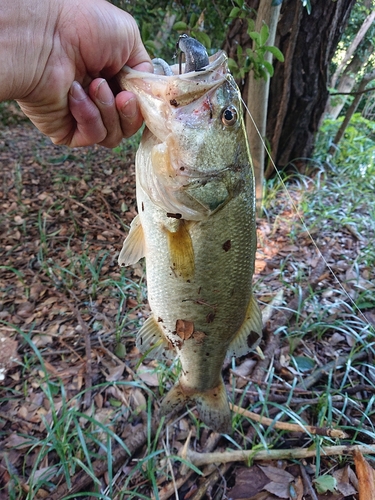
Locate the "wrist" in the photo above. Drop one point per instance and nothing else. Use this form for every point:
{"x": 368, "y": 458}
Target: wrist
{"x": 26, "y": 39}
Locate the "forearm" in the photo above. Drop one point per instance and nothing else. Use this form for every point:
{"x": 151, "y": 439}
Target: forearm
{"x": 26, "y": 37}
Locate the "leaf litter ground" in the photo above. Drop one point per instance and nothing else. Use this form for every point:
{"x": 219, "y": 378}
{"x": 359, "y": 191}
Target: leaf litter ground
{"x": 76, "y": 399}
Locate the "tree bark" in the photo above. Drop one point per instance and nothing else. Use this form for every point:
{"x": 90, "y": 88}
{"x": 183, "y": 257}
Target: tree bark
{"x": 351, "y": 110}
{"x": 257, "y": 101}
{"x": 353, "y": 47}
{"x": 347, "y": 80}
{"x": 299, "y": 93}
{"x": 298, "y": 89}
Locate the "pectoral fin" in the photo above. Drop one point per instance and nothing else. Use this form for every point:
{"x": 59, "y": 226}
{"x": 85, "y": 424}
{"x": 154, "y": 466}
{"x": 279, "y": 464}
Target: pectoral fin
{"x": 181, "y": 251}
{"x": 133, "y": 248}
{"x": 250, "y": 333}
{"x": 151, "y": 340}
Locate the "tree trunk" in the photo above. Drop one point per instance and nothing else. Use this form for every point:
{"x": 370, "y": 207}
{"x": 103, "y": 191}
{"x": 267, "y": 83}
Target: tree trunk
{"x": 351, "y": 110}
{"x": 347, "y": 81}
{"x": 353, "y": 47}
{"x": 298, "y": 89}
{"x": 257, "y": 101}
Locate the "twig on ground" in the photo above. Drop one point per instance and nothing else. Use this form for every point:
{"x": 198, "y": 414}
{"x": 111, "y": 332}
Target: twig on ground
{"x": 307, "y": 482}
{"x": 210, "y": 481}
{"x": 86, "y": 333}
{"x": 94, "y": 214}
{"x": 169, "y": 489}
{"x": 200, "y": 459}
{"x": 324, "y": 370}
{"x": 286, "y": 426}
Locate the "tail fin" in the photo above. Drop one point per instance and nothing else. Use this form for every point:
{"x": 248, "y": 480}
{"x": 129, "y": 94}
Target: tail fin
{"x": 212, "y": 405}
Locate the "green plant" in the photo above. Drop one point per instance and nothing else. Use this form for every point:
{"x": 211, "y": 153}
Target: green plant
{"x": 252, "y": 58}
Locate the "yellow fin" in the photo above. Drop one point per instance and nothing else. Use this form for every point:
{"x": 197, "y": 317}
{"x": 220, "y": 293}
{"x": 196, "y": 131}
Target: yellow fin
{"x": 151, "y": 340}
{"x": 181, "y": 250}
{"x": 133, "y": 248}
{"x": 212, "y": 405}
{"x": 250, "y": 333}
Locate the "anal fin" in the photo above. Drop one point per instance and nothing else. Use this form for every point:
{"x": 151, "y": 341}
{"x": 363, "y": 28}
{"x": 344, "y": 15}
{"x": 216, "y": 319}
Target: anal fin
{"x": 212, "y": 405}
{"x": 133, "y": 248}
{"x": 151, "y": 340}
{"x": 250, "y": 333}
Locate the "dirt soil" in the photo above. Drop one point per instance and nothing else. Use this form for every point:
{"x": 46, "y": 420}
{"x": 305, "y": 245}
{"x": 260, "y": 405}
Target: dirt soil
{"x": 67, "y": 311}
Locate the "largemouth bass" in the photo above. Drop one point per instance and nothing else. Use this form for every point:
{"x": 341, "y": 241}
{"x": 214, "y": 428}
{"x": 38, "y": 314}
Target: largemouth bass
{"x": 195, "y": 227}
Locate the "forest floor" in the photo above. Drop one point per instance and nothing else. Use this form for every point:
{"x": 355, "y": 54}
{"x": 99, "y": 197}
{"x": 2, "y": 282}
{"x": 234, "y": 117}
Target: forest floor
{"x": 77, "y": 401}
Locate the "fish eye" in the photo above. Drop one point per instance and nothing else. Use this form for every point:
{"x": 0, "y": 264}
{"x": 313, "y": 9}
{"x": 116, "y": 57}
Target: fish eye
{"x": 229, "y": 116}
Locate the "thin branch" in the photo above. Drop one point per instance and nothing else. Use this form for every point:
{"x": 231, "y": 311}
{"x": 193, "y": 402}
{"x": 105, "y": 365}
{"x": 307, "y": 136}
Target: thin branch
{"x": 320, "y": 372}
{"x": 210, "y": 481}
{"x": 168, "y": 490}
{"x": 200, "y": 459}
{"x": 94, "y": 214}
{"x": 286, "y": 426}
{"x": 307, "y": 482}
{"x": 353, "y": 93}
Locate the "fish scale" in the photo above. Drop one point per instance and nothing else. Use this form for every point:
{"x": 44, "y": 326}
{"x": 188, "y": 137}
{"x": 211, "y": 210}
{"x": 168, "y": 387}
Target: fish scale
{"x": 196, "y": 229}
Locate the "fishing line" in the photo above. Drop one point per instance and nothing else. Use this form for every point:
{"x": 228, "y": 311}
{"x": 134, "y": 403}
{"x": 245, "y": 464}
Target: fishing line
{"x": 299, "y": 216}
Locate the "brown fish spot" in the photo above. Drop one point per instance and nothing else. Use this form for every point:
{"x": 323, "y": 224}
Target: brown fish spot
{"x": 174, "y": 216}
{"x": 160, "y": 320}
{"x": 143, "y": 207}
{"x": 199, "y": 337}
{"x": 252, "y": 338}
{"x": 184, "y": 329}
{"x": 210, "y": 317}
{"x": 227, "y": 245}
{"x": 174, "y": 103}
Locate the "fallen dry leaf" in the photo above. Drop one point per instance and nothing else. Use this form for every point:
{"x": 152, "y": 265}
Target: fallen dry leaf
{"x": 249, "y": 482}
{"x": 342, "y": 477}
{"x": 365, "y": 474}
{"x": 280, "y": 481}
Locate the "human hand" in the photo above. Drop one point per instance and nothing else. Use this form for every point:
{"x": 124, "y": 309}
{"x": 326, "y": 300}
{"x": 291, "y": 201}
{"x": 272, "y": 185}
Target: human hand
{"x": 66, "y": 50}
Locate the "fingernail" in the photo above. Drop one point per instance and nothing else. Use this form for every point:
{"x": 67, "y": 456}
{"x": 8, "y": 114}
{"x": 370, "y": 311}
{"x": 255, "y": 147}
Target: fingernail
{"x": 77, "y": 92}
{"x": 129, "y": 110}
{"x": 104, "y": 93}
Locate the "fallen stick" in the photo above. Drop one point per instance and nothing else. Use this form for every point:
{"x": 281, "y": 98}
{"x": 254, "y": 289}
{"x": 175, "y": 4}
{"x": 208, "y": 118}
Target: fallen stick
{"x": 221, "y": 457}
{"x": 286, "y": 426}
{"x": 324, "y": 370}
{"x": 94, "y": 214}
{"x": 210, "y": 481}
{"x": 168, "y": 490}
